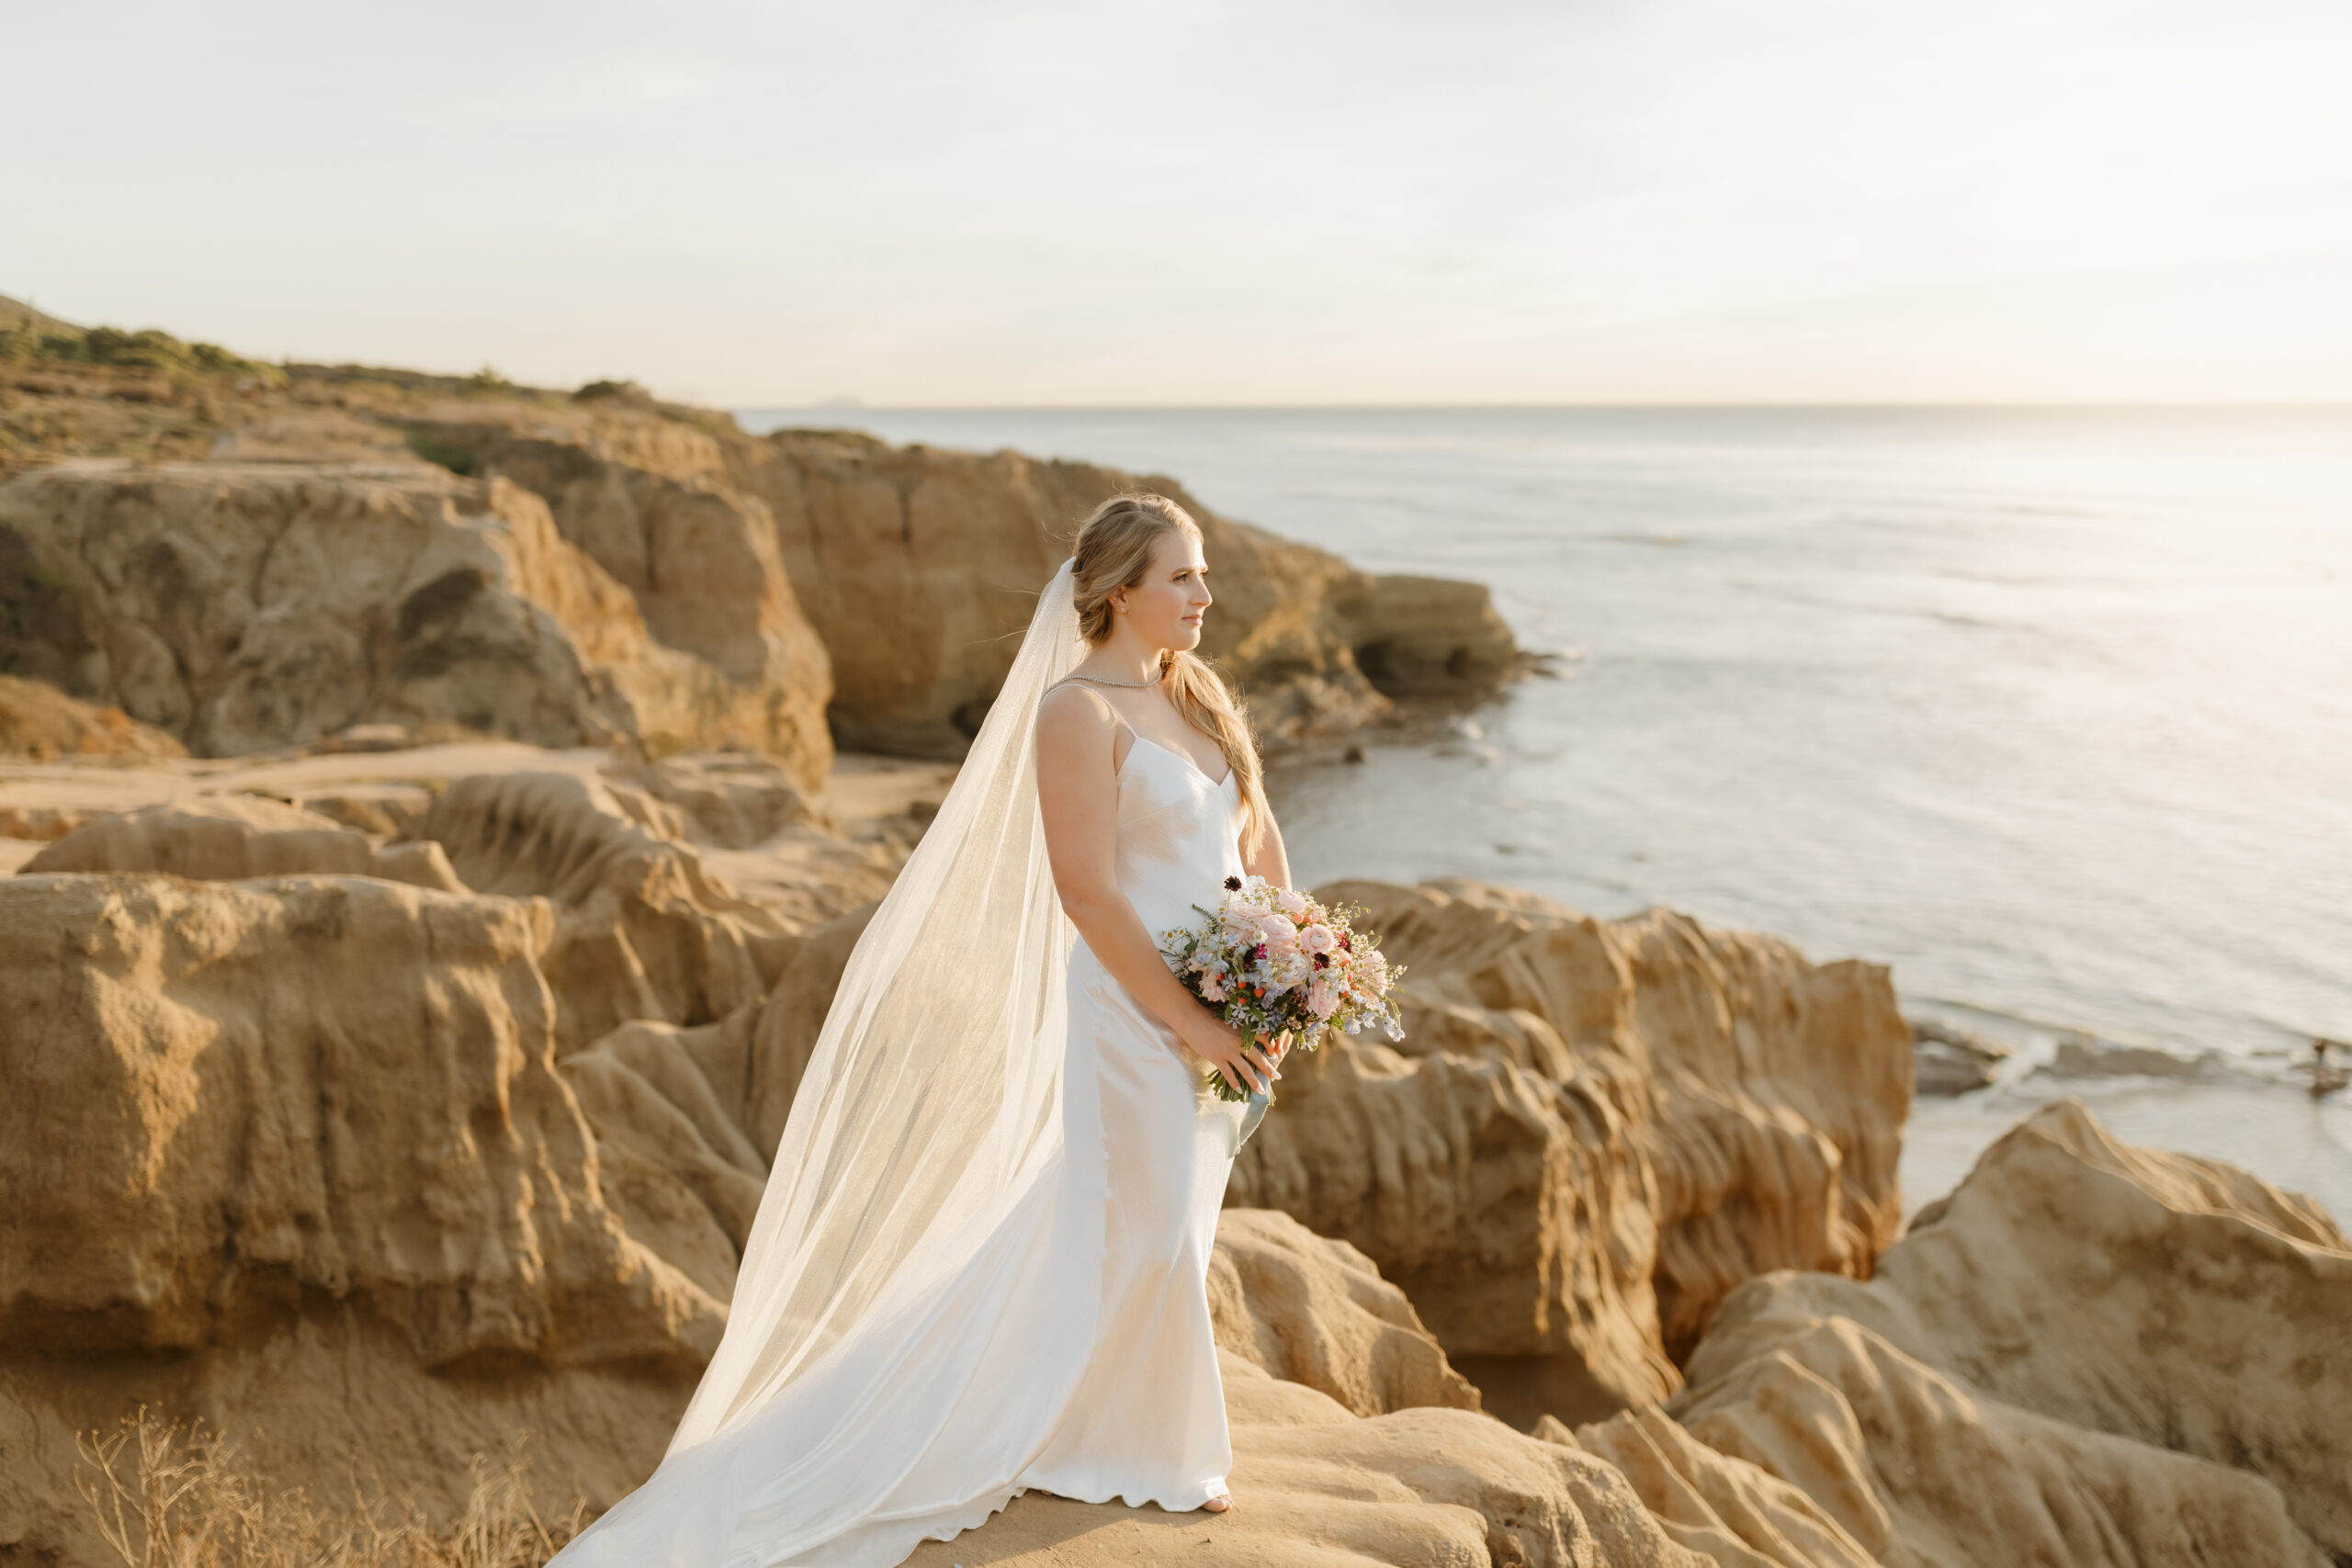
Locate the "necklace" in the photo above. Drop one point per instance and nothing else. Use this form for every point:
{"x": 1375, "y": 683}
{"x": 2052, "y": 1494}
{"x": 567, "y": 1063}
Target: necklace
{"x": 1132, "y": 686}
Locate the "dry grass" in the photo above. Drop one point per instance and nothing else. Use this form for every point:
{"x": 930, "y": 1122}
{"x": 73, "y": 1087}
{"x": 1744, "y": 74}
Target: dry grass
{"x": 178, "y": 1495}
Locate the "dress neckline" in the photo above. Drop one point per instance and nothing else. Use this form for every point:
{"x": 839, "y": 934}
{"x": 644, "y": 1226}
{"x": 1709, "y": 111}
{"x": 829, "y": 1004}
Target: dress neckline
{"x": 1143, "y": 740}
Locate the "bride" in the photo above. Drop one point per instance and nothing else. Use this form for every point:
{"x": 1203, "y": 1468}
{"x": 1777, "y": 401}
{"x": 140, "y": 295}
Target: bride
{"x": 979, "y": 1266}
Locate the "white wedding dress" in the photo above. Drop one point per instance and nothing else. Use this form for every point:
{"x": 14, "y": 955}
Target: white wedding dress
{"x": 985, "y": 1271}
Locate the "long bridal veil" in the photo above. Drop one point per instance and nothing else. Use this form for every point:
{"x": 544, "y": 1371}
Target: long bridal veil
{"x": 935, "y": 1082}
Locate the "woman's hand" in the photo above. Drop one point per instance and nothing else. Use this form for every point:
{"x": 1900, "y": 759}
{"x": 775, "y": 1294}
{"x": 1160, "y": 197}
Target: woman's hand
{"x": 1247, "y": 1065}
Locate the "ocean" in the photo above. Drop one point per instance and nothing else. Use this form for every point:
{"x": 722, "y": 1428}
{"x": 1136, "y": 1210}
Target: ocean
{"x": 2049, "y": 710}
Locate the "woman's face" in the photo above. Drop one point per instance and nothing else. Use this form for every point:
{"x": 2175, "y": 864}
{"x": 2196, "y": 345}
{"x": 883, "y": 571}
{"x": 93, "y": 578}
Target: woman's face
{"x": 1166, "y": 607}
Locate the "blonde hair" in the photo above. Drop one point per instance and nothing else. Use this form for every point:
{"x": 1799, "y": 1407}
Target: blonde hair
{"x": 1113, "y": 551}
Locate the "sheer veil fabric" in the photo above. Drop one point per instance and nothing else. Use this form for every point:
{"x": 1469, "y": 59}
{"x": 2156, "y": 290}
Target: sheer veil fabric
{"x": 842, "y": 1399}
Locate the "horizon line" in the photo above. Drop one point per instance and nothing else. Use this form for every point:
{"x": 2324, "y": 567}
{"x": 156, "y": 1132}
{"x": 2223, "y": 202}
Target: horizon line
{"x": 2144, "y": 405}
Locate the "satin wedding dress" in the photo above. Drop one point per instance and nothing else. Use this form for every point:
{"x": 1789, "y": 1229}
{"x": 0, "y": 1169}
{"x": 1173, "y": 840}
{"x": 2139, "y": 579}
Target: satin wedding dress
{"x": 985, "y": 1271}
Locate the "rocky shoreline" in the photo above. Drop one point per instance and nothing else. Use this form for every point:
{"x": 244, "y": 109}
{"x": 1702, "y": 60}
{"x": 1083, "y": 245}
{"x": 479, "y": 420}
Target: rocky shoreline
{"x": 442, "y": 815}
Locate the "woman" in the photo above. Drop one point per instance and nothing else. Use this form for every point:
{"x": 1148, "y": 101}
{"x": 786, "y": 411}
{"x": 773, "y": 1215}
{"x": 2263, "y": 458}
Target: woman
{"x": 981, "y": 1263}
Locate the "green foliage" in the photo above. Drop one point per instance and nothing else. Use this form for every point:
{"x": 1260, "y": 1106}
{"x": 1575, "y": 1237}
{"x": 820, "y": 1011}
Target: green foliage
{"x": 436, "y": 447}
{"x": 629, "y": 394}
{"x": 148, "y": 349}
{"x": 619, "y": 391}
{"x": 42, "y": 633}
{"x": 418, "y": 383}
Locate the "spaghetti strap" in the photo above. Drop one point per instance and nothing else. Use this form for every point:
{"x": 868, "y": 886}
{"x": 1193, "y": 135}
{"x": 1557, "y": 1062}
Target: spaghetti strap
{"x": 1117, "y": 718}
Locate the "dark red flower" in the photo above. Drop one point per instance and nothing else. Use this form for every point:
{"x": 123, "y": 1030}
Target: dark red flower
{"x": 1233, "y": 885}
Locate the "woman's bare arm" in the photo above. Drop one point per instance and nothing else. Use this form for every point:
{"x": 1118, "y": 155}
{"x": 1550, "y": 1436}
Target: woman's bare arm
{"x": 1078, "y": 793}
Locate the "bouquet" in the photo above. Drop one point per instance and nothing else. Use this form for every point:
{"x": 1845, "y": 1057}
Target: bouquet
{"x": 1270, "y": 960}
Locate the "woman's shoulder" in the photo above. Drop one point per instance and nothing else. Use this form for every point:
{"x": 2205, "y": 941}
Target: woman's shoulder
{"x": 1072, "y": 708}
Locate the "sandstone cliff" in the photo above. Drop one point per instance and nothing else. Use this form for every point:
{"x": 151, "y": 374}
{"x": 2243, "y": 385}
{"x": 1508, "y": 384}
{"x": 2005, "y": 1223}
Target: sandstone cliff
{"x": 229, "y": 838}
{"x": 300, "y": 1155}
{"x": 1591, "y": 1132}
{"x": 678, "y": 583}
{"x": 949, "y": 549}
{"x": 2158, "y": 1347}
{"x": 921, "y": 568}
{"x": 250, "y": 609}
{"x": 304, "y": 1139}
{"x": 301, "y": 1138}
{"x": 475, "y": 1122}
{"x": 294, "y": 1156}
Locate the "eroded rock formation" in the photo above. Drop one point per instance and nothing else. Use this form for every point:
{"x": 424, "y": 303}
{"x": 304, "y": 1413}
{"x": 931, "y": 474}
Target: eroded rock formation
{"x": 299, "y": 1154}
{"x": 228, "y": 838}
{"x": 297, "y": 1140}
{"x": 295, "y": 1155}
{"x": 312, "y": 1152}
{"x": 220, "y": 1117}
{"x": 700, "y": 560}
{"x": 2173, "y": 1337}
{"x": 1919, "y": 1468}
{"x": 1309, "y": 1310}
{"x": 357, "y": 551}
{"x": 922, "y": 567}
{"x": 949, "y": 549}
{"x": 245, "y": 609}
{"x": 1591, "y": 1132}
{"x": 643, "y": 931}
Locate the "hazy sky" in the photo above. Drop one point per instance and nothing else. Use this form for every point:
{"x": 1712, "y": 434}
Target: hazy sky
{"x": 1018, "y": 203}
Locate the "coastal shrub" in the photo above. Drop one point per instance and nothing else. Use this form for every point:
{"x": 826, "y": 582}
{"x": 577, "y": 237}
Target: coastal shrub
{"x": 419, "y": 383}
{"x": 624, "y": 391}
{"x": 434, "y": 447}
{"x": 42, "y": 633}
{"x": 147, "y": 349}
{"x": 175, "y": 1495}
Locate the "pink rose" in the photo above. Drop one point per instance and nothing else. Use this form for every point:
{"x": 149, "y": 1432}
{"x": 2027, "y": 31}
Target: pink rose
{"x": 1318, "y": 939}
{"x": 1213, "y": 986}
{"x": 1291, "y": 902}
{"x": 1373, "y": 970}
{"x": 1277, "y": 933}
{"x": 1322, "y": 997}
